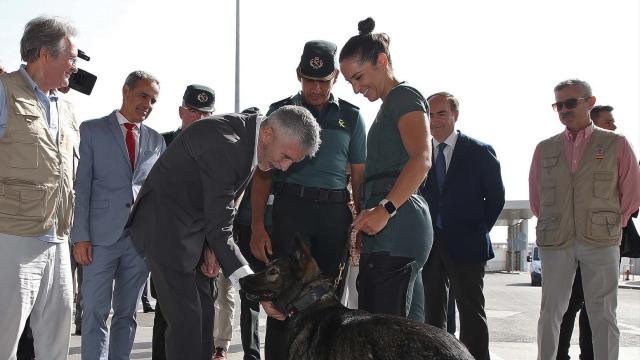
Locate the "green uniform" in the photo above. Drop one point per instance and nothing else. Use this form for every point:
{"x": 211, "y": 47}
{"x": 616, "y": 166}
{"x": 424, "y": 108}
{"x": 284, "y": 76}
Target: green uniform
{"x": 343, "y": 141}
{"x": 407, "y": 233}
{"x": 391, "y": 260}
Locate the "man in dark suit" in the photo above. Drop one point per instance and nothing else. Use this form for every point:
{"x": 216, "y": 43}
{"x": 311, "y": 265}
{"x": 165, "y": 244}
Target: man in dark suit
{"x": 197, "y": 103}
{"x": 465, "y": 194}
{"x": 182, "y": 219}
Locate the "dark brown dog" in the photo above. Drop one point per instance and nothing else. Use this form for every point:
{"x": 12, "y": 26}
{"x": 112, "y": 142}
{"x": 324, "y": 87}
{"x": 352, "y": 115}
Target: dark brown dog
{"x": 320, "y": 327}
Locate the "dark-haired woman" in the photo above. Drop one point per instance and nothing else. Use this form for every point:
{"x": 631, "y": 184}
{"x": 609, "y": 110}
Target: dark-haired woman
{"x": 396, "y": 222}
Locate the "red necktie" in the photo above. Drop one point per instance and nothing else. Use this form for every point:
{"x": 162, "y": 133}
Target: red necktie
{"x": 131, "y": 143}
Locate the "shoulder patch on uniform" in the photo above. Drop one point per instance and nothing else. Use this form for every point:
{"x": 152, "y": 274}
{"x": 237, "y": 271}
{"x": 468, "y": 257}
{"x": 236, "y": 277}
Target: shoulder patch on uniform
{"x": 281, "y": 103}
{"x": 342, "y": 103}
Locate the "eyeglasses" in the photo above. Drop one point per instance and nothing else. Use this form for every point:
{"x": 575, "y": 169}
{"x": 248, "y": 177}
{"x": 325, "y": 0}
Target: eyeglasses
{"x": 570, "y": 104}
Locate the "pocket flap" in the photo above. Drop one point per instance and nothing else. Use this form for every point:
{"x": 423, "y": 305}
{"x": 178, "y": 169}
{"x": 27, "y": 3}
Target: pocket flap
{"x": 550, "y": 161}
{"x": 603, "y": 176}
{"x": 24, "y": 137}
{"x": 605, "y": 218}
{"x": 548, "y": 224}
{"x": 27, "y": 107}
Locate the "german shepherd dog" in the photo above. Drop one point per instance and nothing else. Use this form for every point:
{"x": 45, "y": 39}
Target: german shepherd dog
{"x": 320, "y": 327}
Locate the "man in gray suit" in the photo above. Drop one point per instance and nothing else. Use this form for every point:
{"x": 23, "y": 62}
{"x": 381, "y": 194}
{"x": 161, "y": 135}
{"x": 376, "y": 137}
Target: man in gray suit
{"x": 184, "y": 212}
{"x": 116, "y": 154}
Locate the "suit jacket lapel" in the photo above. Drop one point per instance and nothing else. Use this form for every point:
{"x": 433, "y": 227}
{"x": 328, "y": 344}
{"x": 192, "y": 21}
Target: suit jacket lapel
{"x": 144, "y": 140}
{"x": 114, "y": 126}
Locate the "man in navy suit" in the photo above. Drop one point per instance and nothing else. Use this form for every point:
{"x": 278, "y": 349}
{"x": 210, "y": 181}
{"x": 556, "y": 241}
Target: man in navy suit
{"x": 116, "y": 154}
{"x": 465, "y": 194}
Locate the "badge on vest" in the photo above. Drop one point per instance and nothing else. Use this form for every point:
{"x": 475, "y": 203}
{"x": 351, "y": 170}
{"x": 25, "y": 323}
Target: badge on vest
{"x": 599, "y": 152}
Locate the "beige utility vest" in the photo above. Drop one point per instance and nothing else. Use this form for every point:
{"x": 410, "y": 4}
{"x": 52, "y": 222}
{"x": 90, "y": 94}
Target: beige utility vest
{"x": 585, "y": 205}
{"x": 36, "y": 170}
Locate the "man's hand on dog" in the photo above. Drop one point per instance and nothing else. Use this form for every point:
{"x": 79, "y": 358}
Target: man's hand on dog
{"x": 210, "y": 266}
{"x": 260, "y": 243}
{"x": 371, "y": 221}
{"x": 271, "y": 311}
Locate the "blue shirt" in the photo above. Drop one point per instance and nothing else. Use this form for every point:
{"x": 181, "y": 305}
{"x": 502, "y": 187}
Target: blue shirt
{"x": 49, "y": 103}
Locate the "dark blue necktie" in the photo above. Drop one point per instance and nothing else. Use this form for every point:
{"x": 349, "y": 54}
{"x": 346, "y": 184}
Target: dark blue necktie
{"x": 441, "y": 173}
{"x": 441, "y": 167}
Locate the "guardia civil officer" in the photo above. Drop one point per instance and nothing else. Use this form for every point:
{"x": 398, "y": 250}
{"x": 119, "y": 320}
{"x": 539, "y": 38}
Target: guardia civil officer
{"x": 311, "y": 198}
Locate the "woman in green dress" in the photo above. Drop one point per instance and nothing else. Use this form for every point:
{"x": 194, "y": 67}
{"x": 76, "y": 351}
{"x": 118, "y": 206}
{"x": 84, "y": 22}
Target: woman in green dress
{"x": 395, "y": 222}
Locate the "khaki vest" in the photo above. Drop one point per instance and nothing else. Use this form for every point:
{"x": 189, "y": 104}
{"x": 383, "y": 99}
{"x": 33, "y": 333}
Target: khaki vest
{"x": 585, "y": 205}
{"x": 36, "y": 170}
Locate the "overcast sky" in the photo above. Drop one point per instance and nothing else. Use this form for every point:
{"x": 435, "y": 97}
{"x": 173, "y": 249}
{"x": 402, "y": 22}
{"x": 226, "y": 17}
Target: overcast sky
{"x": 501, "y": 58}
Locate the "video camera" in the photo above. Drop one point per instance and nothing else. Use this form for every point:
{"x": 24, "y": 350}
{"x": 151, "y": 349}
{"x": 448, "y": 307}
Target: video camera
{"x": 82, "y": 81}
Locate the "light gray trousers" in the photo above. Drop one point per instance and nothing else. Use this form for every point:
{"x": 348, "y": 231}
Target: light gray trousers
{"x": 35, "y": 279}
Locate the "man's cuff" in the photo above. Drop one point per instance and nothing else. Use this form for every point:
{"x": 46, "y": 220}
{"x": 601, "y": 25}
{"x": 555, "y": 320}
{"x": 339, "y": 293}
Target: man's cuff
{"x": 239, "y": 274}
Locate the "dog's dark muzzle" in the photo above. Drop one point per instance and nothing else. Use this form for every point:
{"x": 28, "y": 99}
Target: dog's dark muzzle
{"x": 253, "y": 294}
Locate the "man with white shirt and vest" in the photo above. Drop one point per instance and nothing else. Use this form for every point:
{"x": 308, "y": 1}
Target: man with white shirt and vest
{"x": 38, "y": 154}
{"x": 583, "y": 187}
{"x": 116, "y": 154}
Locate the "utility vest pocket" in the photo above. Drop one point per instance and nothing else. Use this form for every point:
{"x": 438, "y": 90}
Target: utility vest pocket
{"x": 547, "y": 231}
{"x": 24, "y": 150}
{"x": 603, "y": 184}
{"x": 22, "y": 200}
{"x": 603, "y": 225}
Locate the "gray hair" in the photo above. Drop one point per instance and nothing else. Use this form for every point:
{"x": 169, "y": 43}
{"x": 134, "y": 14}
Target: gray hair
{"x": 44, "y": 32}
{"x": 298, "y": 124}
{"x": 134, "y": 77}
{"x": 586, "y": 88}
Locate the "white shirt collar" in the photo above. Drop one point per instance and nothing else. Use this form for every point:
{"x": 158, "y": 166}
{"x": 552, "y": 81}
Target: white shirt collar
{"x": 123, "y": 120}
{"x": 450, "y": 140}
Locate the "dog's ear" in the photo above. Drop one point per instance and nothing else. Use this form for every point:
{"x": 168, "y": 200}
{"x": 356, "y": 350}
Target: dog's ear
{"x": 306, "y": 266}
{"x": 301, "y": 250}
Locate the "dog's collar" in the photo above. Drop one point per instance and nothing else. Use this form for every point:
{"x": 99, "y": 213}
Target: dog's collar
{"x": 308, "y": 299}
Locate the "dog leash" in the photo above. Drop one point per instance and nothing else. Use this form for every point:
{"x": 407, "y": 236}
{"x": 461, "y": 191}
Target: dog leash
{"x": 343, "y": 263}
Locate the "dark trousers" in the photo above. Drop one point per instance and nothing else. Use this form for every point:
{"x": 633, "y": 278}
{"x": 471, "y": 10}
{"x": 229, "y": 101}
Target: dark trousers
{"x": 467, "y": 281}
{"x": 249, "y": 309}
{"x": 187, "y": 306}
{"x": 383, "y": 283}
{"x": 326, "y": 226}
{"x": 576, "y": 303}
{"x": 25, "y": 344}
{"x": 159, "y": 329}
{"x": 144, "y": 298}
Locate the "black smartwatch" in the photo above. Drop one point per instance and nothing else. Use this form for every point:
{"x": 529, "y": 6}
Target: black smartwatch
{"x": 388, "y": 206}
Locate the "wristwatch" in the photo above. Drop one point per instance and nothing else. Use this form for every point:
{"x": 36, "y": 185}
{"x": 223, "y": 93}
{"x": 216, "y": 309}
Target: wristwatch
{"x": 388, "y": 206}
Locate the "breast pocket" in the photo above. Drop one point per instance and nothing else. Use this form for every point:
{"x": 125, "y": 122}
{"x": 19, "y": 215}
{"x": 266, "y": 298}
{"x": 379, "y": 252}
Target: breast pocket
{"x": 603, "y": 184}
{"x": 147, "y": 159}
{"x": 24, "y": 150}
